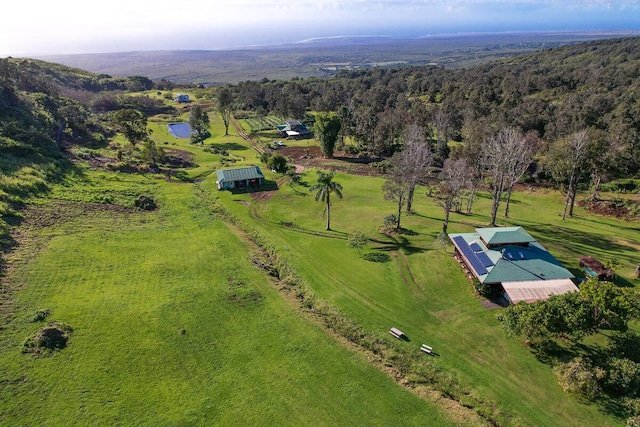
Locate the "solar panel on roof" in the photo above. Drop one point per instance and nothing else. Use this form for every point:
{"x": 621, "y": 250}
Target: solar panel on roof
{"x": 484, "y": 259}
{"x": 470, "y": 256}
{"x": 475, "y": 247}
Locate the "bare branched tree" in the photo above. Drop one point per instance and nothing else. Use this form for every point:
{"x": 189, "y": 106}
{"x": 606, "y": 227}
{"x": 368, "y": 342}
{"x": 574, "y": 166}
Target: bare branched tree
{"x": 455, "y": 177}
{"x": 522, "y": 153}
{"x": 413, "y": 163}
{"x": 566, "y": 160}
{"x": 497, "y": 158}
{"x": 395, "y": 188}
{"x": 442, "y": 123}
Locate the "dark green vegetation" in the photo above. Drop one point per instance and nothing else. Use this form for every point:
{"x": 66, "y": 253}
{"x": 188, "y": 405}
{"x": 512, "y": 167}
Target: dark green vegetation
{"x": 317, "y": 58}
{"x": 135, "y": 292}
{"x": 556, "y": 329}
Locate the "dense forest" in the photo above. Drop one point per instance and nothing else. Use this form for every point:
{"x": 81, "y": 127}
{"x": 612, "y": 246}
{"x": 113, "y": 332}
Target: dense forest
{"x": 553, "y": 93}
{"x": 548, "y": 96}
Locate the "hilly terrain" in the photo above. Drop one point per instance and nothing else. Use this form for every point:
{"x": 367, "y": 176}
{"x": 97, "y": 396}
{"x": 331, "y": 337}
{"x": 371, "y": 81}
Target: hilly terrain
{"x": 134, "y": 292}
{"x": 318, "y": 57}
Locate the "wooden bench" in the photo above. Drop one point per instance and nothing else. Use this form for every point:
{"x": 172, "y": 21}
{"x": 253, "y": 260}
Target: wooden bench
{"x": 426, "y": 348}
{"x": 396, "y": 333}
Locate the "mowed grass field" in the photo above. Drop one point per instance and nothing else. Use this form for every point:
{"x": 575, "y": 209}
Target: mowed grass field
{"x": 425, "y": 293}
{"x": 174, "y": 325}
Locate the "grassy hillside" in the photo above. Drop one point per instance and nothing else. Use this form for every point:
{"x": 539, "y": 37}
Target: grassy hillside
{"x": 172, "y": 324}
{"x": 424, "y": 292}
{"x": 178, "y": 317}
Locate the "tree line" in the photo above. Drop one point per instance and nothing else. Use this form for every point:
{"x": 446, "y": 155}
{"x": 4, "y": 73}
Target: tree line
{"x": 570, "y": 115}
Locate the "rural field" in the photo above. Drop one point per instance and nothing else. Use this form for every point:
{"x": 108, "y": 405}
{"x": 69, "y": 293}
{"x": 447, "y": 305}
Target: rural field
{"x": 174, "y": 322}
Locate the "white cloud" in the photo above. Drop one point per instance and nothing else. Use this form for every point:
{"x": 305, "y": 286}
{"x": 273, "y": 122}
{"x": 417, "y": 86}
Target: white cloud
{"x": 76, "y": 25}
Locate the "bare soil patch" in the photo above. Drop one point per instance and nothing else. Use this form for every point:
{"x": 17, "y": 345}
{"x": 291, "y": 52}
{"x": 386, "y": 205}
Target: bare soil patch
{"x": 614, "y": 208}
{"x": 312, "y": 157}
{"x": 178, "y": 158}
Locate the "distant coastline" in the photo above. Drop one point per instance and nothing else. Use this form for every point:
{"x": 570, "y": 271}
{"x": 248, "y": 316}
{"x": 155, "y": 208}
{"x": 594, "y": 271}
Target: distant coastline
{"x": 324, "y": 56}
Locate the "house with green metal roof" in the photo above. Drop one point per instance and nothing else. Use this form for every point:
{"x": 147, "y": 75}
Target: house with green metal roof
{"x": 498, "y": 236}
{"x": 511, "y": 259}
{"x": 240, "y": 178}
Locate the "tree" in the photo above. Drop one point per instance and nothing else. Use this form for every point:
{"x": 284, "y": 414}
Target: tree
{"x": 324, "y": 187}
{"x": 442, "y": 123}
{"x": 357, "y": 240}
{"x": 326, "y": 130}
{"x": 152, "y": 154}
{"x": 566, "y": 160}
{"x": 497, "y": 159}
{"x": 413, "y": 163}
{"x": 522, "y": 153}
{"x": 600, "y": 160}
{"x": 610, "y": 306}
{"x": 277, "y": 162}
{"x": 224, "y": 105}
{"x": 454, "y": 179}
{"x": 580, "y": 376}
{"x": 345, "y": 121}
{"x": 396, "y": 189}
{"x": 199, "y": 123}
{"x": 132, "y": 124}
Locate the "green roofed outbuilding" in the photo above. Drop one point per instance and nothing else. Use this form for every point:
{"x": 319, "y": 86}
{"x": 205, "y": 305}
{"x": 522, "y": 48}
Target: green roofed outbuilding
{"x": 240, "y": 178}
{"x": 511, "y": 259}
{"x": 498, "y": 236}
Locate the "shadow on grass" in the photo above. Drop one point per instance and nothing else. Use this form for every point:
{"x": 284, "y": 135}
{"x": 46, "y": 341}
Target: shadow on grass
{"x": 332, "y": 234}
{"x": 266, "y": 186}
{"x": 622, "y": 282}
{"x": 551, "y": 353}
{"x": 398, "y": 242}
{"x": 613, "y": 406}
{"x": 229, "y": 146}
{"x": 575, "y": 241}
{"x": 618, "y": 226}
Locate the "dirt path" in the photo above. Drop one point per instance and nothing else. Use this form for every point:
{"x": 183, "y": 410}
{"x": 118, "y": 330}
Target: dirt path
{"x": 245, "y": 136}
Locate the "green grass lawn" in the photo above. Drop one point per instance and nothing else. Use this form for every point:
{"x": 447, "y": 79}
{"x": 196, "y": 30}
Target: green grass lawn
{"x": 424, "y": 292}
{"x": 173, "y": 325}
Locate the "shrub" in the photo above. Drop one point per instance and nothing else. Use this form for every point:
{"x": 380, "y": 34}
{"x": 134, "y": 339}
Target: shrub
{"x": 351, "y": 149}
{"x": 82, "y": 153}
{"x": 52, "y": 337}
{"x": 382, "y": 166}
{"x": 622, "y": 186}
{"x": 623, "y": 377}
{"x": 277, "y": 162}
{"x": 487, "y": 291}
{"x": 40, "y": 314}
{"x": 390, "y": 220}
{"x": 215, "y": 150}
{"x": 377, "y": 257}
{"x": 105, "y": 199}
{"x": 146, "y": 203}
{"x": 579, "y": 376}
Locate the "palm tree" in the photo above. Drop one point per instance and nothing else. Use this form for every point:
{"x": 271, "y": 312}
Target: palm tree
{"x": 325, "y": 187}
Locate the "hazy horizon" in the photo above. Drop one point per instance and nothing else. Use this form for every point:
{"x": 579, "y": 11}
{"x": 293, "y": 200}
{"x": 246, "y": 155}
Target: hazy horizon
{"x": 68, "y": 27}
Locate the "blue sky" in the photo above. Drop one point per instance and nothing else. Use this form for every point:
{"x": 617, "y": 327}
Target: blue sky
{"x": 40, "y": 27}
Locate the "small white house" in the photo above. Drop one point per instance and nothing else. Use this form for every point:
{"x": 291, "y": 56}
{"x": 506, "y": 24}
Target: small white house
{"x": 181, "y": 98}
